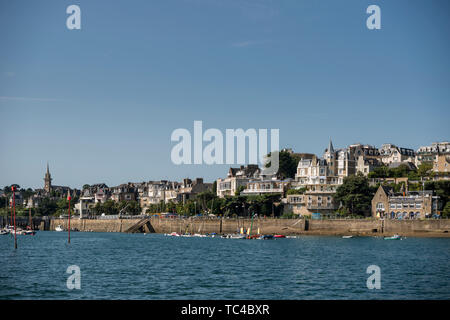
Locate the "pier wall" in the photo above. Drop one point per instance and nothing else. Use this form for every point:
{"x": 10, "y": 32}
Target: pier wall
{"x": 228, "y": 225}
{"x": 353, "y": 226}
{"x": 117, "y": 225}
{"x": 417, "y": 226}
{"x": 269, "y": 226}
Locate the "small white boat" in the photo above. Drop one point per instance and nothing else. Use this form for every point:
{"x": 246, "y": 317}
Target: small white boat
{"x": 236, "y": 236}
{"x": 200, "y": 235}
{"x": 4, "y": 232}
{"x": 394, "y": 237}
{"x": 173, "y": 234}
{"x": 347, "y": 237}
{"x": 18, "y": 231}
{"x": 59, "y": 228}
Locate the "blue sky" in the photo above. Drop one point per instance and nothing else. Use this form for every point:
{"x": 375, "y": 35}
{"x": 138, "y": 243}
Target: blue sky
{"x": 100, "y": 103}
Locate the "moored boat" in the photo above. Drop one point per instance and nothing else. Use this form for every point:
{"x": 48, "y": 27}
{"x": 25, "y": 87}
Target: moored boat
{"x": 267, "y": 237}
{"x": 199, "y": 235}
{"x": 59, "y": 228}
{"x": 235, "y": 236}
{"x": 394, "y": 237}
{"x": 4, "y": 232}
{"x": 279, "y": 236}
{"x": 347, "y": 237}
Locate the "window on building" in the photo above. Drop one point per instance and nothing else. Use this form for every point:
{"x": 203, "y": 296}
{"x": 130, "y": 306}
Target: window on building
{"x": 380, "y": 206}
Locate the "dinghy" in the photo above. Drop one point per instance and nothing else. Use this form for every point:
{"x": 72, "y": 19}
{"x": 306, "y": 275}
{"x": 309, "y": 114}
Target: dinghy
{"x": 394, "y": 237}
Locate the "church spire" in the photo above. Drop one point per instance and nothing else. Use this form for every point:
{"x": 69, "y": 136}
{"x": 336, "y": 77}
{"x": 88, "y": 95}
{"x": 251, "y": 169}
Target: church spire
{"x": 48, "y": 180}
{"x": 330, "y": 147}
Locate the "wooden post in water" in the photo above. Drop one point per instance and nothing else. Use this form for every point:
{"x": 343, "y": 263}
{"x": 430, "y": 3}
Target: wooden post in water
{"x": 30, "y": 220}
{"x": 11, "y": 220}
{"x": 68, "y": 198}
{"x": 14, "y": 206}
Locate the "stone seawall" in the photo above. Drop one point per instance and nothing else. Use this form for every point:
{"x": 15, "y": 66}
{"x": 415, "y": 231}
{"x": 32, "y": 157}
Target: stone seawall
{"x": 441, "y": 226}
{"x": 117, "y": 225}
{"x": 286, "y": 226}
{"x": 343, "y": 227}
{"x": 432, "y": 228}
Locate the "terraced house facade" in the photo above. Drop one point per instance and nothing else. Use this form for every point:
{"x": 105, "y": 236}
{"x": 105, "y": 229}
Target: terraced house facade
{"x": 405, "y": 205}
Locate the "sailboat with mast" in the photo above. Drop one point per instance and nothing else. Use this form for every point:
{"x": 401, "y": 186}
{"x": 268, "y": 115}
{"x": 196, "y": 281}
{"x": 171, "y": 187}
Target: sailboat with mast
{"x": 29, "y": 230}
{"x": 5, "y": 230}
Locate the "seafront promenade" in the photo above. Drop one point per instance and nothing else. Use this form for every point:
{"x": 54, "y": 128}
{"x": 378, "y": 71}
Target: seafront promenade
{"x": 363, "y": 227}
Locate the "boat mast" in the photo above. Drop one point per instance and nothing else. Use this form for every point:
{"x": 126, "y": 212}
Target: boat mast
{"x": 14, "y": 205}
{"x": 251, "y": 226}
{"x": 29, "y": 218}
{"x": 68, "y": 198}
{"x": 11, "y": 220}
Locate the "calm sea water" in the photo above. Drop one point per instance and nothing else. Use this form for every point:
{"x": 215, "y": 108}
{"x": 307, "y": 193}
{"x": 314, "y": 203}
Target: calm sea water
{"x": 153, "y": 266}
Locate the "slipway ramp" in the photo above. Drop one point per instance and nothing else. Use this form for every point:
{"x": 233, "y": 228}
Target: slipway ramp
{"x": 141, "y": 226}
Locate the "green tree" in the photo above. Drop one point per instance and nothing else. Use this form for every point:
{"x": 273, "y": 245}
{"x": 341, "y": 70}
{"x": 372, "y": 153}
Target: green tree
{"x": 47, "y": 207}
{"x": 446, "y": 211}
{"x": 441, "y": 189}
{"x": 355, "y": 195}
{"x": 296, "y": 191}
{"x": 401, "y": 171}
{"x": 425, "y": 169}
{"x": 204, "y": 198}
{"x": 239, "y": 190}
{"x": 288, "y": 163}
{"x": 379, "y": 172}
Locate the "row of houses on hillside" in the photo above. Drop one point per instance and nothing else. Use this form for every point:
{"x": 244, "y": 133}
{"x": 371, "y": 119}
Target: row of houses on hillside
{"x": 145, "y": 193}
{"x": 319, "y": 177}
{"x": 316, "y": 179}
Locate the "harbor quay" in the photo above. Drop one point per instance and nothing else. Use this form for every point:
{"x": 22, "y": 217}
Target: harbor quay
{"x": 362, "y": 227}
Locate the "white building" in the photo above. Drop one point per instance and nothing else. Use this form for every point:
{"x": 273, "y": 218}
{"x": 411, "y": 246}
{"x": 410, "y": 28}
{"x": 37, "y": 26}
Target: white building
{"x": 236, "y": 178}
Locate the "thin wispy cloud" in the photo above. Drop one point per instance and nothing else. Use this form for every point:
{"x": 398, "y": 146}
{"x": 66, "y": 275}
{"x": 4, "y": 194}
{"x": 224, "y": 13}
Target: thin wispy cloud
{"x": 29, "y": 99}
{"x": 248, "y": 43}
{"x": 253, "y": 9}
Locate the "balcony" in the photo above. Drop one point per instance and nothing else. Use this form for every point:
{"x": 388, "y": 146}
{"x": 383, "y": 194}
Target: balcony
{"x": 321, "y": 207}
{"x": 261, "y": 191}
